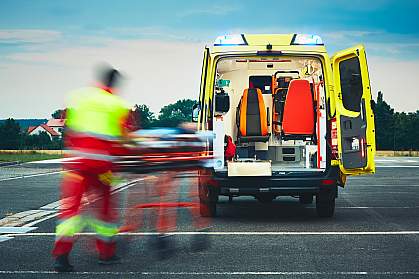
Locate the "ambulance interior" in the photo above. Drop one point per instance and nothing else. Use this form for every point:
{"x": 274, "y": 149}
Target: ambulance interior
{"x": 277, "y": 112}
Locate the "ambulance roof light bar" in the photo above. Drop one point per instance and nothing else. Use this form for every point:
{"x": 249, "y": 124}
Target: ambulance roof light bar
{"x": 306, "y": 39}
{"x": 230, "y": 40}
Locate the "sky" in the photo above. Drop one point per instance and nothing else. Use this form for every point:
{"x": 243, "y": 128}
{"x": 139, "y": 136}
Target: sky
{"x": 50, "y": 47}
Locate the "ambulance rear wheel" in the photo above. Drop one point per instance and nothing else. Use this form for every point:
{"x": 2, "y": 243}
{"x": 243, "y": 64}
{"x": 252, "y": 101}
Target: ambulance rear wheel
{"x": 325, "y": 203}
{"x": 306, "y": 199}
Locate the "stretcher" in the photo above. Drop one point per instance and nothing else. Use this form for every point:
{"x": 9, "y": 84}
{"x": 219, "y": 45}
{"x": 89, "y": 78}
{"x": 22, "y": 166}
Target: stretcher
{"x": 164, "y": 153}
{"x": 166, "y": 149}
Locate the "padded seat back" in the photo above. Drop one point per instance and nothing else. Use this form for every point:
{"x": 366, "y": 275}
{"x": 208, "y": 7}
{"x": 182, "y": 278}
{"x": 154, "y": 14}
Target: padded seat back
{"x": 298, "y": 116}
{"x": 251, "y": 114}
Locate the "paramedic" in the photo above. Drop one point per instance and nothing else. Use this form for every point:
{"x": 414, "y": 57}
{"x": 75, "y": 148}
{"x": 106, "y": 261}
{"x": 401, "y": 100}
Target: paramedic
{"x": 95, "y": 129}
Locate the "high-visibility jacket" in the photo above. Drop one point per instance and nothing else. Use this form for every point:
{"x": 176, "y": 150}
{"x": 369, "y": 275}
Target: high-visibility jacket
{"x": 95, "y": 120}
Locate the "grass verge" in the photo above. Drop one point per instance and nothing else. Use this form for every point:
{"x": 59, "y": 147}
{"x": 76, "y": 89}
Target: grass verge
{"x": 27, "y": 157}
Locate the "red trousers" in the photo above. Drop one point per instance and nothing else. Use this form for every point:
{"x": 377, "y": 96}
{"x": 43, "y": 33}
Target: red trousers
{"x": 86, "y": 192}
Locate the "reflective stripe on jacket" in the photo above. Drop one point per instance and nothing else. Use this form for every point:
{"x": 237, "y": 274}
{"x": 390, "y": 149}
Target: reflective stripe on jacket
{"x": 95, "y": 123}
{"x": 95, "y": 111}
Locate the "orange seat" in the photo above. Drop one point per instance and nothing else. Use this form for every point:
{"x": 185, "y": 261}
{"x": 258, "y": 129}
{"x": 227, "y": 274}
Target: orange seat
{"x": 251, "y": 117}
{"x": 298, "y": 116}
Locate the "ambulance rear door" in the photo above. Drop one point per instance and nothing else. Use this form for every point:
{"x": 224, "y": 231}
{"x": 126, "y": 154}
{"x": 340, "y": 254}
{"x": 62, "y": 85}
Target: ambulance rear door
{"x": 354, "y": 115}
{"x": 203, "y": 106}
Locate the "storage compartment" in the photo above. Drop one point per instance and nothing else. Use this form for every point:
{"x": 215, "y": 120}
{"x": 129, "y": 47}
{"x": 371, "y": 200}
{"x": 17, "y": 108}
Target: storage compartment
{"x": 249, "y": 168}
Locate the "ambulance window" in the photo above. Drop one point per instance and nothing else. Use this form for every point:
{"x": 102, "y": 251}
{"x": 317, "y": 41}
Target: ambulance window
{"x": 261, "y": 82}
{"x": 351, "y": 84}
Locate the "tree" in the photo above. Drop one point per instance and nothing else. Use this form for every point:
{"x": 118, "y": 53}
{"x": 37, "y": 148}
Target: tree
{"x": 384, "y": 124}
{"x": 174, "y": 114}
{"x": 40, "y": 141}
{"x": 59, "y": 114}
{"x": 407, "y": 136}
{"x": 10, "y": 135}
{"x": 142, "y": 117}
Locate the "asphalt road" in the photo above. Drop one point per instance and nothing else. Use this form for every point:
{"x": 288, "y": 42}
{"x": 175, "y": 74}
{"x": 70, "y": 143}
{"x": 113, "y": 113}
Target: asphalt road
{"x": 374, "y": 234}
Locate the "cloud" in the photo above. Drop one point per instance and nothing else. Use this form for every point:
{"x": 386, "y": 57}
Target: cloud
{"x": 29, "y": 36}
{"x": 158, "y": 73}
{"x": 215, "y": 10}
{"x": 396, "y": 79}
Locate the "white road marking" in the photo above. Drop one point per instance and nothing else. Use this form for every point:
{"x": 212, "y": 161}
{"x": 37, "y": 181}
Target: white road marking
{"x": 13, "y": 230}
{"x": 381, "y": 185}
{"x": 50, "y": 206}
{"x": 5, "y": 238}
{"x": 372, "y": 207}
{"x": 27, "y": 219}
{"x": 31, "y": 175}
{"x": 226, "y": 233}
{"x": 23, "y": 217}
{"x": 386, "y": 160}
{"x": 398, "y": 166}
{"x": 41, "y": 220}
{"x": 238, "y": 273}
{"x": 16, "y": 229}
{"x": 56, "y": 161}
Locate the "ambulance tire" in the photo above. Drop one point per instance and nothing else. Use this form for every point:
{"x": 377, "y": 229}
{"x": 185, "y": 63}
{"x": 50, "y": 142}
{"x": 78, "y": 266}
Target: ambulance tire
{"x": 306, "y": 199}
{"x": 325, "y": 203}
{"x": 208, "y": 197}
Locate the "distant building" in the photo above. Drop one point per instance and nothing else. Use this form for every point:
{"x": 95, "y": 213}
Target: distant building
{"x": 35, "y": 130}
{"x": 57, "y": 125}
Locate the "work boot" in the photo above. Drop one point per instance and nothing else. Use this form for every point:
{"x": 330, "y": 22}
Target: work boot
{"x": 109, "y": 261}
{"x": 62, "y": 264}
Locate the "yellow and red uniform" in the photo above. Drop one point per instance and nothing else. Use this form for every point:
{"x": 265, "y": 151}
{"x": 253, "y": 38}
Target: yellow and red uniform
{"x": 95, "y": 126}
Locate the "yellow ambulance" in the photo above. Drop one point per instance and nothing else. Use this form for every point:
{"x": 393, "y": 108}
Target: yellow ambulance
{"x": 287, "y": 119}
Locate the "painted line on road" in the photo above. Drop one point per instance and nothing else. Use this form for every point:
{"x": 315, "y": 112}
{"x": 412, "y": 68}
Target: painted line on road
{"x": 372, "y": 207}
{"x": 381, "y": 185}
{"x": 5, "y": 238}
{"x": 27, "y": 219}
{"x": 237, "y": 273}
{"x": 33, "y": 223}
{"x": 16, "y": 230}
{"x": 35, "y": 234}
{"x": 30, "y": 175}
{"x": 23, "y": 217}
{"x": 399, "y": 166}
{"x": 387, "y": 160}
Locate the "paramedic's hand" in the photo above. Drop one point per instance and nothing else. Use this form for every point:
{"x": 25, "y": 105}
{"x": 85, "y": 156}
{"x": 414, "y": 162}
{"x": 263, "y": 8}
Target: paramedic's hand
{"x": 108, "y": 178}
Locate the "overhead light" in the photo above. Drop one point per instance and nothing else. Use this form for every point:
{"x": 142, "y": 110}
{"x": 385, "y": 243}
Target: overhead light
{"x": 230, "y": 40}
{"x": 306, "y": 39}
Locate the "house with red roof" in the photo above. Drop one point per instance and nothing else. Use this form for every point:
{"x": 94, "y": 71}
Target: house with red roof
{"x": 57, "y": 125}
{"x": 36, "y": 130}
{"x": 54, "y": 128}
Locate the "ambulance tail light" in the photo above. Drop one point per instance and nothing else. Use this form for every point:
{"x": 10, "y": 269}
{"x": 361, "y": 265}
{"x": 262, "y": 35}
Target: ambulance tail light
{"x": 231, "y": 40}
{"x": 362, "y": 147}
{"x": 306, "y": 39}
{"x": 326, "y": 182}
{"x": 334, "y": 138}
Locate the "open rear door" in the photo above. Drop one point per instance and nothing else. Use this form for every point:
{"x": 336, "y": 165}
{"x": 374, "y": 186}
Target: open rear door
{"x": 354, "y": 115}
{"x": 202, "y": 95}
